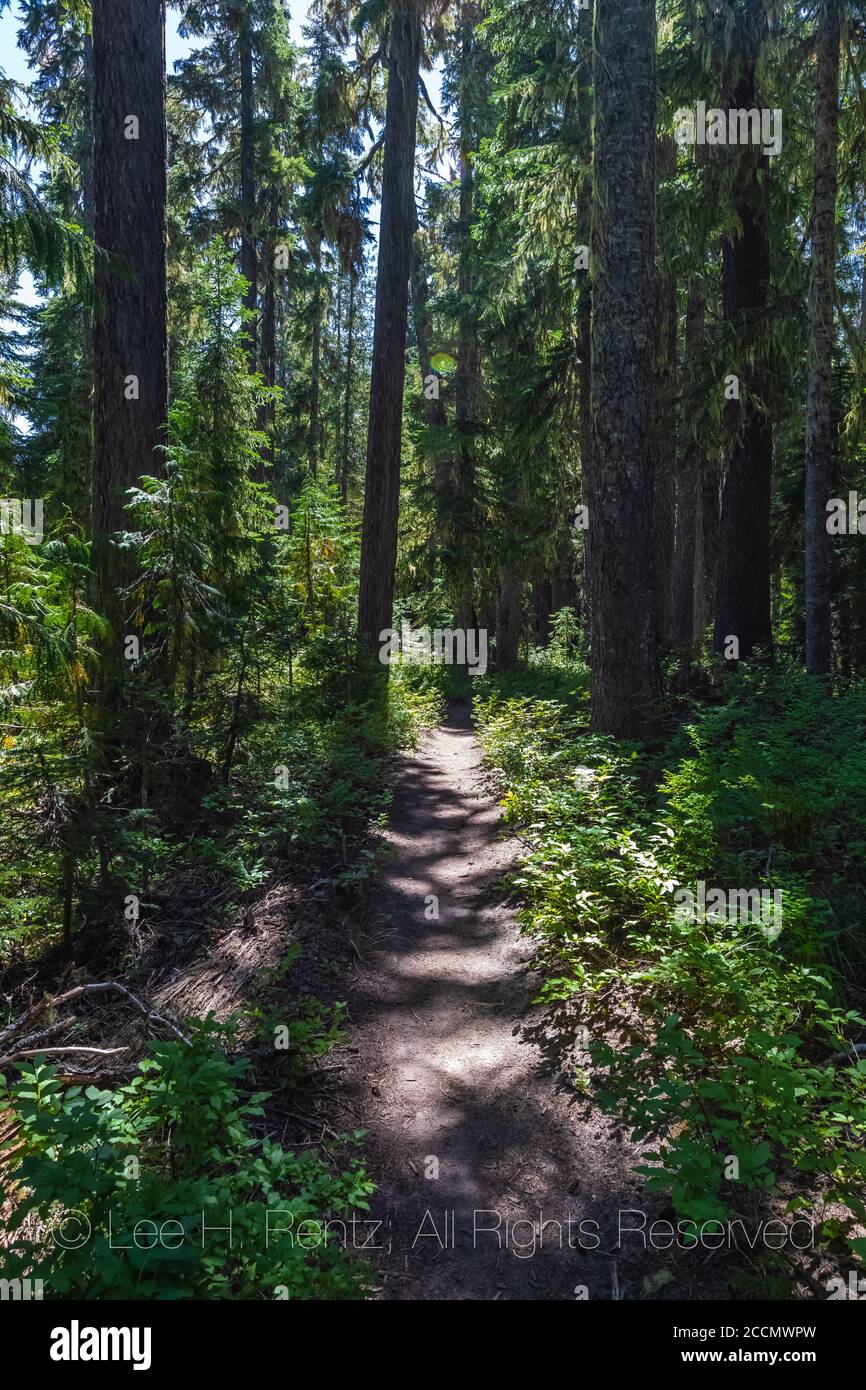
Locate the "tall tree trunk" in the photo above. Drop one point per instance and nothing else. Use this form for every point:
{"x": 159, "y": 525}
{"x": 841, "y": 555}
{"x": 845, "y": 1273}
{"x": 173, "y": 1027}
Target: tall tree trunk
{"x": 248, "y": 176}
{"x": 820, "y": 425}
{"x": 508, "y": 615}
{"x": 665, "y": 431}
{"x": 700, "y": 615}
{"x": 584, "y": 405}
{"x": 742, "y": 599}
{"x": 347, "y": 396}
{"x": 665, "y": 445}
{"x": 710, "y": 509}
{"x": 687, "y": 610}
{"x": 338, "y": 363}
{"x": 584, "y": 295}
{"x": 620, "y": 477}
{"x": 78, "y": 471}
{"x": 129, "y": 339}
{"x": 542, "y": 607}
{"x": 434, "y": 407}
{"x": 438, "y": 450}
{"x": 316, "y": 362}
{"x": 88, "y": 209}
{"x": 382, "y": 490}
{"x": 468, "y": 375}
{"x": 563, "y": 579}
{"x": 267, "y": 412}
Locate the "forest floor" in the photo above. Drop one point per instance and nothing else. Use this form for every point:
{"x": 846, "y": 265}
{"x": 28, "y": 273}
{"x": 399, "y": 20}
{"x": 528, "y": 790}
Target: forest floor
{"x": 496, "y": 1176}
{"x": 446, "y": 1081}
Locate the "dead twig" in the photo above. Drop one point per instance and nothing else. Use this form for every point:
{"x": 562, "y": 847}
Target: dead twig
{"x": 104, "y": 987}
{"x": 48, "y": 1051}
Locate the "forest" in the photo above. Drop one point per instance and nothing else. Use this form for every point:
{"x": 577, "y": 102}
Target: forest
{"x": 433, "y": 653}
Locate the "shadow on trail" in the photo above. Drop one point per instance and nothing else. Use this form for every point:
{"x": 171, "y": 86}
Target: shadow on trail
{"x": 489, "y": 1183}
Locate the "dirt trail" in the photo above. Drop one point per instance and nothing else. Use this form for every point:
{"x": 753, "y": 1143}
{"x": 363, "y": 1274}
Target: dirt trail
{"x": 446, "y": 1076}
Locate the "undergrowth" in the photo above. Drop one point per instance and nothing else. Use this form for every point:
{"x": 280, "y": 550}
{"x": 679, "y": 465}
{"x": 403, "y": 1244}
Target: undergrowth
{"x": 715, "y": 1038}
{"x": 166, "y": 1189}
{"x": 169, "y": 1186}
{"x": 308, "y": 780}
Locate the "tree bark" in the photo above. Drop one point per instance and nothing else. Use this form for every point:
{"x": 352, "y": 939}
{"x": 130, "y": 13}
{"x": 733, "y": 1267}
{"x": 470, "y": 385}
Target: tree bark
{"x": 584, "y": 294}
{"x": 248, "y": 177}
{"x": 434, "y": 406}
{"x": 742, "y": 598}
{"x": 467, "y": 379}
{"x": 687, "y": 576}
{"x": 820, "y": 424}
{"x": 129, "y": 339}
{"x": 665, "y": 433}
{"x": 267, "y": 412}
{"x": 338, "y": 364}
{"x": 382, "y": 490}
{"x": 542, "y": 608}
{"x": 664, "y": 465}
{"x": 438, "y": 449}
{"x": 316, "y": 361}
{"x": 508, "y": 616}
{"x": 620, "y": 476}
{"x": 564, "y": 591}
{"x": 347, "y": 397}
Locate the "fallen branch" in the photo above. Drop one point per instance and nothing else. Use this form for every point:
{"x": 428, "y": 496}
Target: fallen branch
{"x": 32, "y": 1038}
{"x": 36, "y": 1009}
{"x": 149, "y": 1014}
{"x": 855, "y": 1053}
{"x": 49, "y": 1002}
{"x": 98, "y": 1076}
{"x": 48, "y": 1051}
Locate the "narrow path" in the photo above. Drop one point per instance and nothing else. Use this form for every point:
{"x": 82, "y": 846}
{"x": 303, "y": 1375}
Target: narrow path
{"x": 447, "y": 1080}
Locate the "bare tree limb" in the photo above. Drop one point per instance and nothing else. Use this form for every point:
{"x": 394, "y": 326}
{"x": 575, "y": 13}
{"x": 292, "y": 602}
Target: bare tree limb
{"x": 377, "y": 145}
{"x": 428, "y": 103}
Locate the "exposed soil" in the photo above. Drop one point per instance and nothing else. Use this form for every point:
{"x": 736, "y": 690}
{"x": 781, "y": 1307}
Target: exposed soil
{"x": 448, "y": 1079}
